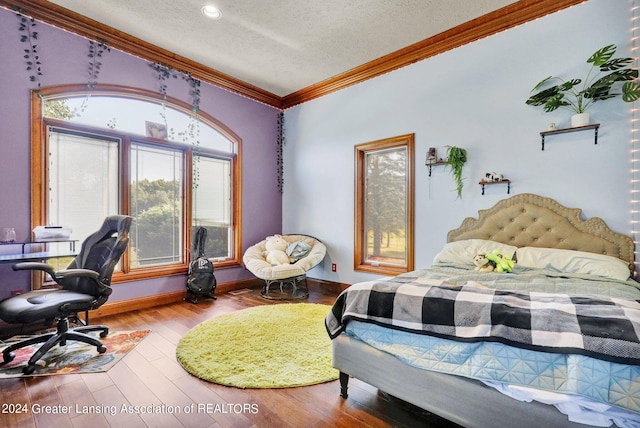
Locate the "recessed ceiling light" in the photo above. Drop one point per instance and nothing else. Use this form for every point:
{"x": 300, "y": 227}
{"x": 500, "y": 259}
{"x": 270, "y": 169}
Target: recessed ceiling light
{"x": 210, "y": 11}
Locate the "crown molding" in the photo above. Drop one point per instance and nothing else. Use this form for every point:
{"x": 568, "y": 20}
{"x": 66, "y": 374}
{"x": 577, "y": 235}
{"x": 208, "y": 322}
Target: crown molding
{"x": 58, "y": 16}
{"x": 502, "y": 19}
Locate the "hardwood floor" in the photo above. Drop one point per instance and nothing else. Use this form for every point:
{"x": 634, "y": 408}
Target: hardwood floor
{"x": 150, "y": 376}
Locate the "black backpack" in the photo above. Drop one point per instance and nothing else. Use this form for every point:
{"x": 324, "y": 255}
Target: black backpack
{"x": 201, "y": 282}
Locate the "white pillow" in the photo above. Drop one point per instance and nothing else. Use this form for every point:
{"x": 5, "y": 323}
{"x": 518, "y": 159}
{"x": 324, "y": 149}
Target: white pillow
{"x": 570, "y": 261}
{"x": 463, "y": 252}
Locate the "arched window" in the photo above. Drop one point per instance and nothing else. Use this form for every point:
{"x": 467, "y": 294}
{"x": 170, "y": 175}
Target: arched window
{"x": 130, "y": 151}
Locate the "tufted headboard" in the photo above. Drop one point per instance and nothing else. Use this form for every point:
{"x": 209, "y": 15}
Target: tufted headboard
{"x": 527, "y": 220}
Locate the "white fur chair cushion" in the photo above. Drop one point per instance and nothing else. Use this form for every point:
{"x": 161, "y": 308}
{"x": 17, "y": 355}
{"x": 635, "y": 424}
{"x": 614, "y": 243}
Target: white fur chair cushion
{"x": 258, "y": 266}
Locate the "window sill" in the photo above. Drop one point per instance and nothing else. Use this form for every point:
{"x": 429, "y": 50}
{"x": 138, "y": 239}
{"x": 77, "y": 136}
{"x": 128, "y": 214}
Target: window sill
{"x": 382, "y": 269}
{"x": 163, "y": 271}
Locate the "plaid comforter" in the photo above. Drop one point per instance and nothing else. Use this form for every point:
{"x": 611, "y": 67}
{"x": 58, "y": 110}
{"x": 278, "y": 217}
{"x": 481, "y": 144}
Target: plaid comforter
{"x": 607, "y": 328}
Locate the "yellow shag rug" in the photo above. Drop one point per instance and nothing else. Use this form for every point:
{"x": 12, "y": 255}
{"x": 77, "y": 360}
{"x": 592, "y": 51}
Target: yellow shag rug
{"x": 270, "y": 346}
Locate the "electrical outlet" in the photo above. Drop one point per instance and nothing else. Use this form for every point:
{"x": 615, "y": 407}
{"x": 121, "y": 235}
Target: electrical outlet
{"x": 334, "y": 267}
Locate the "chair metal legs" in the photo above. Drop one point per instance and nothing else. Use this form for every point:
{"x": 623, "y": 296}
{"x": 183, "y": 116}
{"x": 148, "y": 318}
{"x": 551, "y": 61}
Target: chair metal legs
{"x": 298, "y": 285}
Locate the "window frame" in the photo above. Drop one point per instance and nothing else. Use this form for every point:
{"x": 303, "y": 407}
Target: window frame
{"x": 39, "y": 170}
{"x": 360, "y": 250}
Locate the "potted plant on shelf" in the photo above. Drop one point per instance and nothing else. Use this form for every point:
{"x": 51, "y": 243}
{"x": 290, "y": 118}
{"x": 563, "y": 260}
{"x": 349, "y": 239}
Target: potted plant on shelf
{"x": 456, "y": 158}
{"x": 578, "y": 95}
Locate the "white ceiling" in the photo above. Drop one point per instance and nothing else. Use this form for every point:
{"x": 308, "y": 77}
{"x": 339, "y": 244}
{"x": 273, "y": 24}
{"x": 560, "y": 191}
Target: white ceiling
{"x": 283, "y": 46}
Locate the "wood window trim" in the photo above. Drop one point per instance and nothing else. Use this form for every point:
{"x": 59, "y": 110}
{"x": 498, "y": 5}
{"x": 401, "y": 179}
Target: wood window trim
{"x": 39, "y": 171}
{"x": 359, "y": 227}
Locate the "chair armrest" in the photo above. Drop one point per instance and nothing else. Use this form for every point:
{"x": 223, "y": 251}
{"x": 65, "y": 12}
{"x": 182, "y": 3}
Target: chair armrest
{"x": 63, "y": 275}
{"x": 35, "y": 266}
{"x": 67, "y": 273}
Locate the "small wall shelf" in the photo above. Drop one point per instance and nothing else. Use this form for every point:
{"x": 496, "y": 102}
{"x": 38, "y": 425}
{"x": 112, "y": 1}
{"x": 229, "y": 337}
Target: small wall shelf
{"x": 505, "y": 181}
{"x": 595, "y": 127}
{"x": 430, "y": 164}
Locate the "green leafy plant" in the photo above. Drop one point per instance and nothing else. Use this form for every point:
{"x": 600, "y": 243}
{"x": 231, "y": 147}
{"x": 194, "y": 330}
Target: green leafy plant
{"x": 578, "y": 95}
{"x": 456, "y": 158}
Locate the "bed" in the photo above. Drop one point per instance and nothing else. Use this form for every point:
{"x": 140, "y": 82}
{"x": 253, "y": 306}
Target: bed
{"x": 564, "y": 347}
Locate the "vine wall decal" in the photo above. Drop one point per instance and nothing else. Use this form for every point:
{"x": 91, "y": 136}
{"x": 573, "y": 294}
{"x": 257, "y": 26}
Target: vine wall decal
{"x": 29, "y": 35}
{"x": 96, "y": 50}
{"x": 280, "y": 148}
{"x": 163, "y": 74}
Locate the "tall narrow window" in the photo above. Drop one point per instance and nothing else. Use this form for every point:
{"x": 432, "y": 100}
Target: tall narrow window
{"x": 156, "y": 204}
{"x": 384, "y": 206}
{"x": 83, "y": 180}
{"x": 212, "y": 205}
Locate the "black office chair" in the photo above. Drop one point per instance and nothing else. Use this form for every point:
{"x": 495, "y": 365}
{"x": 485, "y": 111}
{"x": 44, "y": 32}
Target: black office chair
{"x": 84, "y": 285}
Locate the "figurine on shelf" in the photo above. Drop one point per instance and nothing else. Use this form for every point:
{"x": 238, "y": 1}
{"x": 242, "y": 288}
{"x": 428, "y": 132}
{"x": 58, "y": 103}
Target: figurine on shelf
{"x": 431, "y": 155}
{"x": 492, "y": 177}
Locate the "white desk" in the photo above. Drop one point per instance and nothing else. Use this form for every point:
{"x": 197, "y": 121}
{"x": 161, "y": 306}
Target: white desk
{"x": 37, "y": 251}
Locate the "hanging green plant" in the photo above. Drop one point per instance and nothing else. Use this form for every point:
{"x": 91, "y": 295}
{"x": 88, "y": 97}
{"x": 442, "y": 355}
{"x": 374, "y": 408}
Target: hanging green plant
{"x": 456, "y": 158}
{"x": 32, "y": 58}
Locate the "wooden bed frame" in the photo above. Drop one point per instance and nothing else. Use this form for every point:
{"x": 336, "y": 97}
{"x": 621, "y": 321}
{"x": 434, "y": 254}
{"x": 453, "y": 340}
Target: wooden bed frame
{"x": 521, "y": 220}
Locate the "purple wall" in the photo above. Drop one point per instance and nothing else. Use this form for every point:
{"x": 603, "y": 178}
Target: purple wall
{"x": 64, "y": 61}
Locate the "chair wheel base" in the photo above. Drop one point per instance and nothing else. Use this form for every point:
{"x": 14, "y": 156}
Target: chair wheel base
{"x": 60, "y": 338}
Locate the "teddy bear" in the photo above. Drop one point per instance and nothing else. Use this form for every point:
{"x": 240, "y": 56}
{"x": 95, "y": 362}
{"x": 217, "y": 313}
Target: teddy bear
{"x": 275, "y": 253}
{"x": 483, "y": 264}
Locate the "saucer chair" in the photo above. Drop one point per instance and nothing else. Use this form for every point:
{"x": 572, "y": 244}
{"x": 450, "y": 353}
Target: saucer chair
{"x": 291, "y": 277}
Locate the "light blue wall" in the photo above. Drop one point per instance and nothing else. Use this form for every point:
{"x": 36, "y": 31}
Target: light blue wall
{"x": 471, "y": 97}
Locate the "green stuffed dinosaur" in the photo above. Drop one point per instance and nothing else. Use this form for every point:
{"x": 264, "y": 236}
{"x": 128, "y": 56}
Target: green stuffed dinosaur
{"x": 503, "y": 263}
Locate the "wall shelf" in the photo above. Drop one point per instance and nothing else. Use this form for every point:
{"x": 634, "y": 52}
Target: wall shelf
{"x": 430, "y": 164}
{"x": 505, "y": 181}
{"x": 595, "y": 127}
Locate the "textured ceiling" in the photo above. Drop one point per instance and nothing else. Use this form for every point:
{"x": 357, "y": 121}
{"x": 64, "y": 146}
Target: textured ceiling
{"x": 283, "y": 46}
